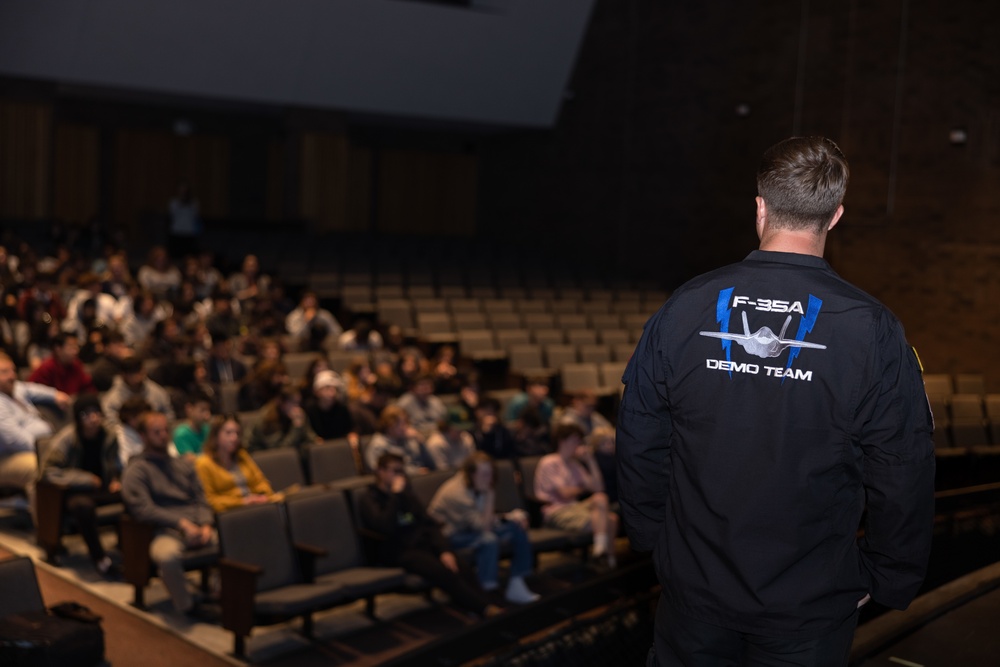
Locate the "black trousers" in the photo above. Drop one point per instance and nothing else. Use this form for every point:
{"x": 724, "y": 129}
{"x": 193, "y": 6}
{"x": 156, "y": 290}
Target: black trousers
{"x": 83, "y": 508}
{"x": 681, "y": 640}
{"x": 461, "y": 587}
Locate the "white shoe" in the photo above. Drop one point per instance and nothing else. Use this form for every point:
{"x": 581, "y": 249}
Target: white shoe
{"x": 519, "y": 593}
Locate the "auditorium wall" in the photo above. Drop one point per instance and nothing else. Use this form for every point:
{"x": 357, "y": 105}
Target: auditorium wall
{"x": 672, "y": 103}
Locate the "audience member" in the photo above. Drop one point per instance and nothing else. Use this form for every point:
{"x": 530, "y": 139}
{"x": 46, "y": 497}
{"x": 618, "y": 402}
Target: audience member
{"x": 221, "y": 366}
{"x": 111, "y": 352}
{"x": 165, "y": 491}
{"x": 327, "y": 412}
{"x": 138, "y": 326}
{"x": 190, "y": 434}
{"x": 535, "y": 395}
{"x": 444, "y": 371}
{"x": 185, "y": 222}
{"x": 39, "y": 299}
{"x": 469, "y": 397}
{"x": 423, "y": 408}
{"x": 310, "y": 326}
{"x": 158, "y": 275}
{"x": 465, "y": 506}
{"x": 396, "y": 436}
{"x": 64, "y": 370}
{"x": 362, "y": 336}
{"x": 107, "y": 309}
{"x": 266, "y": 381}
{"x": 21, "y": 425}
{"x": 126, "y": 432}
{"x": 582, "y": 411}
{"x": 228, "y": 473}
{"x": 410, "y": 539}
{"x": 283, "y": 423}
{"x": 569, "y": 484}
{"x": 133, "y": 382}
{"x": 83, "y": 458}
{"x": 450, "y": 445}
{"x": 249, "y": 283}
{"x": 490, "y": 434}
{"x": 117, "y": 279}
{"x": 319, "y": 364}
{"x": 223, "y": 320}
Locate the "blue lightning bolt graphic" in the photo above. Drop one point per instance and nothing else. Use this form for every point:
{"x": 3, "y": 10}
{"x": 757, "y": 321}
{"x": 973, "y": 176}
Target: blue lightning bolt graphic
{"x": 722, "y": 313}
{"x": 806, "y": 325}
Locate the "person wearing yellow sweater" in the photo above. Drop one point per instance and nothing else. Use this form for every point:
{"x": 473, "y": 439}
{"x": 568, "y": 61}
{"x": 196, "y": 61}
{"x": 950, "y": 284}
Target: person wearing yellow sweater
{"x": 227, "y": 472}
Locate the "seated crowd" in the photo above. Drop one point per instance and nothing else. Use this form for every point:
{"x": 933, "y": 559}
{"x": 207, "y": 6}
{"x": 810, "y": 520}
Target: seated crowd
{"x": 127, "y": 388}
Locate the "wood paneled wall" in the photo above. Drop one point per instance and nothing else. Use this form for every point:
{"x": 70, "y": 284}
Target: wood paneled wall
{"x": 25, "y": 159}
{"x": 148, "y": 167}
{"x": 76, "y": 173}
{"x": 334, "y": 183}
{"x": 427, "y": 193}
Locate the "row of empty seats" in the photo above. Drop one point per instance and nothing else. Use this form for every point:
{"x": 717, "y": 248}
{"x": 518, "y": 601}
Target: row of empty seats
{"x": 965, "y": 416}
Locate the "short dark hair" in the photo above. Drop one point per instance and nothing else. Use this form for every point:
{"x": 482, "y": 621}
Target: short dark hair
{"x": 565, "y": 430}
{"x": 802, "y": 180}
{"x": 131, "y": 365}
{"x": 59, "y": 340}
{"x": 388, "y": 457}
{"x": 132, "y": 408}
{"x": 472, "y": 462}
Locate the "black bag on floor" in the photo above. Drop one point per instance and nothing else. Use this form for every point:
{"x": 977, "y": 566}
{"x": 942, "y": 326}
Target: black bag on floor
{"x": 68, "y": 635}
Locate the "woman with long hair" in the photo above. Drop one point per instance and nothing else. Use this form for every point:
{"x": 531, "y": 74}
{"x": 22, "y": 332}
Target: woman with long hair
{"x": 227, "y": 472}
{"x": 282, "y": 423}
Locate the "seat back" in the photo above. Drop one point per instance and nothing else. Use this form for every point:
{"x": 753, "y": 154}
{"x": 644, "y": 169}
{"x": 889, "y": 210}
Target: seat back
{"x": 324, "y": 520}
{"x": 425, "y": 486}
{"x": 598, "y": 353}
{"x": 282, "y": 467}
{"x": 970, "y": 383}
{"x": 523, "y": 357}
{"x": 330, "y": 461}
{"x": 967, "y": 407}
{"x": 580, "y": 377}
{"x": 507, "y": 494}
{"x": 296, "y": 364}
{"x": 528, "y": 466}
{"x": 229, "y": 397}
{"x": 19, "y": 584}
{"x": 611, "y": 373}
{"x": 557, "y": 356}
{"x": 938, "y": 384}
{"x": 258, "y": 535}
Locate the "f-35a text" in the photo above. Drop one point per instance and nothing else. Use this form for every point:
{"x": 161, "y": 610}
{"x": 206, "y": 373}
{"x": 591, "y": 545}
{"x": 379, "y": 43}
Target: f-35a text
{"x": 769, "y": 305}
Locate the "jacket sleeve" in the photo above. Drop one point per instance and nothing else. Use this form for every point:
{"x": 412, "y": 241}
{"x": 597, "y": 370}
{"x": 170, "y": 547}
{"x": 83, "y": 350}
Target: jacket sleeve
{"x": 138, "y": 498}
{"x": 898, "y": 452}
{"x": 643, "y": 442}
{"x": 378, "y": 517}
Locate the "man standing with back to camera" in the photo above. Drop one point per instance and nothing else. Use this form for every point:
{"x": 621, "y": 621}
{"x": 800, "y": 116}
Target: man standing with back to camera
{"x": 746, "y": 457}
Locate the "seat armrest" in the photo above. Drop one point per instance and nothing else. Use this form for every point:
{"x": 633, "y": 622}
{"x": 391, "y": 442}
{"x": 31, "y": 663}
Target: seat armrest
{"x": 307, "y": 555}
{"x": 136, "y": 537}
{"x": 239, "y": 586}
{"x": 50, "y": 503}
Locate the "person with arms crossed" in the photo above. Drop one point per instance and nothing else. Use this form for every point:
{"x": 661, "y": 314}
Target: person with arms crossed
{"x": 747, "y": 457}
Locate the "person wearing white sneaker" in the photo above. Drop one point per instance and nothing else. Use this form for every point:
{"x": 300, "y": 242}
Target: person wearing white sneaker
{"x": 465, "y": 506}
{"x": 569, "y": 482}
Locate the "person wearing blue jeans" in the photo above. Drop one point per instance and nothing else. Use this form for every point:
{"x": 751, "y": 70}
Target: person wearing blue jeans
{"x": 464, "y": 505}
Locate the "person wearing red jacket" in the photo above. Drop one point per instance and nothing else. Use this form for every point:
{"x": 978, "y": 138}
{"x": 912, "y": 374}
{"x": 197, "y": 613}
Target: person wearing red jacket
{"x": 64, "y": 370}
